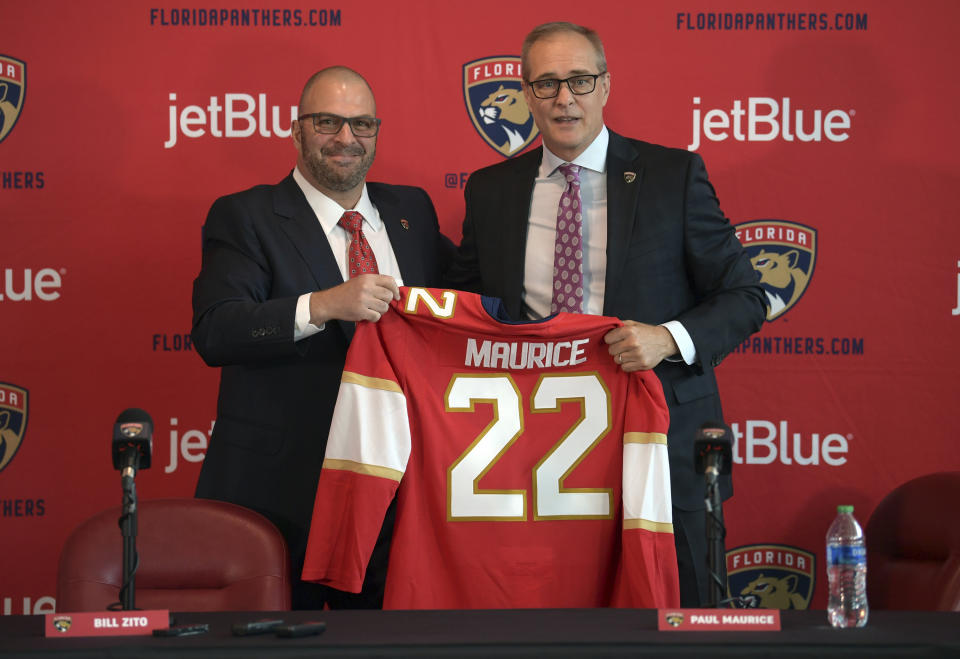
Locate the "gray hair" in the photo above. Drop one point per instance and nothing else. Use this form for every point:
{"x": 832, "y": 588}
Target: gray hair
{"x": 556, "y": 27}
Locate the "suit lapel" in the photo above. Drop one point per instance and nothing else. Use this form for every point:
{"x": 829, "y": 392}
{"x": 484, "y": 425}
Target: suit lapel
{"x": 624, "y": 177}
{"x": 516, "y": 196}
{"x": 300, "y": 223}
{"x": 402, "y": 239}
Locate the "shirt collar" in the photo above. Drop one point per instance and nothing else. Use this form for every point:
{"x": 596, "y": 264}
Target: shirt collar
{"x": 329, "y": 212}
{"x": 594, "y": 157}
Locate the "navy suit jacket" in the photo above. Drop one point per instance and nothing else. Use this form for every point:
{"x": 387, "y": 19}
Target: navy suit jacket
{"x": 671, "y": 255}
{"x": 262, "y": 249}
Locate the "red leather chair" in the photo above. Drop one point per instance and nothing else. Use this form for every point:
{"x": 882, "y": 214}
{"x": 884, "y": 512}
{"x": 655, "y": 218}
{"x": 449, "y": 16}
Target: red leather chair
{"x": 913, "y": 546}
{"x": 195, "y": 555}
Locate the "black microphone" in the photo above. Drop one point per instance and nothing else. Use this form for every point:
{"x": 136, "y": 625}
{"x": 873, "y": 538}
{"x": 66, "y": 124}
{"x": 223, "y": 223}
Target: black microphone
{"x": 132, "y": 450}
{"x": 713, "y": 451}
{"x": 132, "y": 442}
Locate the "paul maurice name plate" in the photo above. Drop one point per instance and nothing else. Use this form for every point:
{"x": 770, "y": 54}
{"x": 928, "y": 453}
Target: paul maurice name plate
{"x": 715, "y": 620}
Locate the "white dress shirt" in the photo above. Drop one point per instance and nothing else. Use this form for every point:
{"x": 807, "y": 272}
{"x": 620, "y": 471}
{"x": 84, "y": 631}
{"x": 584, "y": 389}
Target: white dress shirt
{"x": 328, "y": 213}
{"x": 542, "y": 235}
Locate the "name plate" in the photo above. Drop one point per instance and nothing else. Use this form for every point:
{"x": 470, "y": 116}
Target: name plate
{"x": 105, "y": 623}
{"x": 718, "y": 620}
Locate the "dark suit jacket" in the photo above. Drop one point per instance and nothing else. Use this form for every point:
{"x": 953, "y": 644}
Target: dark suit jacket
{"x": 671, "y": 255}
{"x": 262, "y": 249}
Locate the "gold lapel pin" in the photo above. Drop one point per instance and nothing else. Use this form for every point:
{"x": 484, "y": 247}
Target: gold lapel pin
{"x": 404, "y": 224}
{"x": 629, "y": 177}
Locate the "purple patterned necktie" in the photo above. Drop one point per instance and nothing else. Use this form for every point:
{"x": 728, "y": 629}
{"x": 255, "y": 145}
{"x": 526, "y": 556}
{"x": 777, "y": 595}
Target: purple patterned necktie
{"x": 568, "y": 253}
{"x": 362, "y": 259}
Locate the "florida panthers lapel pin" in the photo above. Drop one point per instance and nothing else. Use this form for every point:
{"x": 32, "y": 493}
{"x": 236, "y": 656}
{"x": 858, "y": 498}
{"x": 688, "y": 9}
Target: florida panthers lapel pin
{"x": 629, "y": 177}
{"x": 404, "y": 224}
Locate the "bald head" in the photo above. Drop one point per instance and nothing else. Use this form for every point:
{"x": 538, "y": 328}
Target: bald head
{"x": 337, "y": 76}
{"x": 335, "y": 163}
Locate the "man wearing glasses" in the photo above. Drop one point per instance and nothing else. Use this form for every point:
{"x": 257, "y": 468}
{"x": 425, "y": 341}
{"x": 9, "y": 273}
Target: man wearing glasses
{"x": 287, "y": 271}
{"x": 601, "y": 224}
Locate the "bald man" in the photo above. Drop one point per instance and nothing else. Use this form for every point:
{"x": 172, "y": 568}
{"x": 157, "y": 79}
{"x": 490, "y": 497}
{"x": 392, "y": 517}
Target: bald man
{"x": 287, "y": 271}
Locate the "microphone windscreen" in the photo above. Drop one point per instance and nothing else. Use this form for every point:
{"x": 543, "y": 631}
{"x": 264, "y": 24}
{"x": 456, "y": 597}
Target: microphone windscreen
{"x": 133, "y": 431}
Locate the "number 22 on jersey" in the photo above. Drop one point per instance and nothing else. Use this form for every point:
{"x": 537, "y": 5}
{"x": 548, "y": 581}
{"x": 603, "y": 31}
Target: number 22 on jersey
{"x": 467, "y": 502}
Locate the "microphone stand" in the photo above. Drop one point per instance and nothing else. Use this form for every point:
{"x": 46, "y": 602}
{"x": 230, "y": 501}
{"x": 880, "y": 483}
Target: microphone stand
{"x": 716, "y": 534}
{"x": 128, "y": 529}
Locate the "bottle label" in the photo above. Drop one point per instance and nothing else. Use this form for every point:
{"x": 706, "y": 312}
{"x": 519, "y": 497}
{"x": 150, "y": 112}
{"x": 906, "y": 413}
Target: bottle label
{"x": 846, "y": 555}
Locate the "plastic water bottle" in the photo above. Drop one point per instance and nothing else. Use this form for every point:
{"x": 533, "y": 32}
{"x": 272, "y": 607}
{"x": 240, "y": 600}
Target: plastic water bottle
{"x": 847, "y": 571}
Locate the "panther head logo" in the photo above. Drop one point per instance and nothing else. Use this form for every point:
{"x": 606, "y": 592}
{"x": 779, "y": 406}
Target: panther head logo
{"x": 493, "y": 92}
{"x": 776, "y": 593}
{"x": 771, "y": 576}
{"x": 508, "y": 108}
{"x": 9, "y": 440}
{"x": 7, "y": 111}
{"x": 783, "y": 253}
{"x": 13, "y": 74}
{"x": 675, "y": 619}
{"x": 782, "y": 280}
{"x": 13, "y": 421}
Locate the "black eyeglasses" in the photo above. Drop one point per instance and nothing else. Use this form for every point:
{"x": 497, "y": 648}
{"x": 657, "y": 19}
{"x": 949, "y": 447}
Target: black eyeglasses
{"x": 550, "y": 87}
{"x": 330, "y": 124}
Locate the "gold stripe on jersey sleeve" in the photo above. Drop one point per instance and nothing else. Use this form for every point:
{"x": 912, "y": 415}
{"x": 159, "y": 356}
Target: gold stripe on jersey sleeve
{"x": 647, "y": 525}
{"x": 644, "y": 438}
{"x": 370, "y": 383}
{"x": 360, "y": 468}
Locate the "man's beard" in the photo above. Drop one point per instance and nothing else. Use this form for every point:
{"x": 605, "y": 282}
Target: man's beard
{"x": 339, "y": 179}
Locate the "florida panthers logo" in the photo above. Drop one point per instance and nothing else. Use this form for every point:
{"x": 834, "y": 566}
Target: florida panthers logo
{"x": 507, "y": 108}
{"x": 675, "y": 619}
{"x": 783, "y": 253}
{"x": 775, "y": 593}
{"x": 771, "y": 576}
{"x": 13, "y": 86}
{"x": 13, "y": 421}
{"x": 494, "y": 96}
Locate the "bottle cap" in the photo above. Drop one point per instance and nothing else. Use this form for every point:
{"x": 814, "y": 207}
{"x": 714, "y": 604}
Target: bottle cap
{"x": 845, "y": 509}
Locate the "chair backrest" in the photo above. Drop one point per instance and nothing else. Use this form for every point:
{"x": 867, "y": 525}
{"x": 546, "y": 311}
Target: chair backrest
{"x": 195, "y": 555}
{"x": 913, "y": 546}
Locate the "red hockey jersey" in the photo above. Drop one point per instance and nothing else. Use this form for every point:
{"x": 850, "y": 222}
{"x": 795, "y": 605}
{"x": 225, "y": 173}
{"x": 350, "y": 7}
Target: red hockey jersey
{"x": 532, "y": 471}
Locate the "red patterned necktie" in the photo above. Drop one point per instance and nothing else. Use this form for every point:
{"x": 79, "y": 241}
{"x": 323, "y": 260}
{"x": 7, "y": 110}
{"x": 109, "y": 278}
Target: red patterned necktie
{"x": 362, "y": 259}
{"x": 568, "y": 253}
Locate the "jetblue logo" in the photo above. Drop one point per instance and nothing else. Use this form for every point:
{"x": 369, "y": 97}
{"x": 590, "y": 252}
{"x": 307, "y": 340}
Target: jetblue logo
{"x": 230, "y": 116}
{"x": 23, "y": 285}
{"x": 956, "y": 310}
{"x": 762, "y": 119}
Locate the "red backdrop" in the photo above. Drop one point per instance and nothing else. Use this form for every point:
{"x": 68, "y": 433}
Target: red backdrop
{"x": 844, "y": 395}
